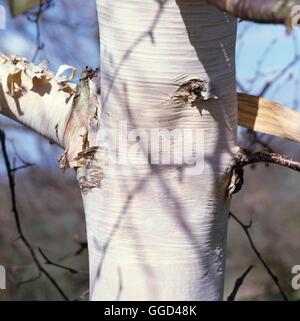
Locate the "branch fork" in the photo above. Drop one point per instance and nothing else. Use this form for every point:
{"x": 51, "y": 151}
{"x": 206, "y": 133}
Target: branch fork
{"x": 244, "y": 157}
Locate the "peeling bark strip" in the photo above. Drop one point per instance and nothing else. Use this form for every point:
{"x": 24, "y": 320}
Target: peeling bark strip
{"x": 22, "y": 76}
{"x": 244, "y": 157}
{"x": 264, "y": 11}
{"x": 236, "y": 179}
{"x": 81, "y": 132}
{"x": 54, "y": 107}
{"x": 89, "y": 177}
{"x": 82, "y": 125}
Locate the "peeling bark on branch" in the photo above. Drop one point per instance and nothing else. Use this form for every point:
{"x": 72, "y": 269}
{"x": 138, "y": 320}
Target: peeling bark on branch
{"x": 65, "y": 113}
{"x": 35, "y": 97}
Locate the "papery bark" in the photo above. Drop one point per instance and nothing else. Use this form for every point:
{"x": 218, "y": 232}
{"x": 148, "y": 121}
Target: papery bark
{"x": 35, "y": 97}
{"x": 156, "y": 232}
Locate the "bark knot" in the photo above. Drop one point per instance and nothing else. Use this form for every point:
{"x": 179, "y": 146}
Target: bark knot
{"x": 195, "y": 90}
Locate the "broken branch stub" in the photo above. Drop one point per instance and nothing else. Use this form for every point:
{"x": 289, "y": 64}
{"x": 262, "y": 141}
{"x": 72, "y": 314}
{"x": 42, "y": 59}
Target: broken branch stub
{"x": 268, "y": 117}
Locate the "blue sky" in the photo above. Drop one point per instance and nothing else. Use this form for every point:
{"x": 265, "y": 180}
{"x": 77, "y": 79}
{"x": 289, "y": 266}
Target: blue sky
{"x": 250, "y": 49}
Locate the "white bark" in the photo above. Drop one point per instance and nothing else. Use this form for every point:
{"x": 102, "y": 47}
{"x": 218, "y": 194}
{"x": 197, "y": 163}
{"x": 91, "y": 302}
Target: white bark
{"x": 155, "y": 232}
{"x": 35, "y": 97}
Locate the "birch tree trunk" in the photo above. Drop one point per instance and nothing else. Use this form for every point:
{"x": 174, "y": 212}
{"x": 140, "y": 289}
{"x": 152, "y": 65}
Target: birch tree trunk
{"x": 157, "y": 231}
{"x": 151, "y": 156}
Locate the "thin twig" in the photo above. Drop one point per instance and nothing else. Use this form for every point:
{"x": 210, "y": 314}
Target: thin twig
{"x": 82, "y": 247}
{"x": 35, "y": 18}
{"x": 15, "y": 169}
{"x": 50, "y": 262}
{"x": 11, "y": 181}
{"x": 34, "y": 279}
{"x": 238, "y": 283}
{"x": 259, "y": 256}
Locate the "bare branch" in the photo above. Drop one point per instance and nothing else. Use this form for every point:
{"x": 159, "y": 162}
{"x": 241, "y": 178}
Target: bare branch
{"x": 238, "y": 283}
{"x": 246, "y": 158}
{"x": 50, "y": 262}
{"x": 11, "y": 181}
{"x": 259, "y": 256}
{"x": 35, "y": 17}
{"x": 34, "y": 279}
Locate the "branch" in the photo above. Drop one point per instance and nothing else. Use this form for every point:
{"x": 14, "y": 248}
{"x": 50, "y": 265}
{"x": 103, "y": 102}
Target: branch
{"x": 82, "y": 247}
{"x": 50, "y": 262}
{"x": 65, "y": 113}
{"x": 243, "y": 157}
{"x": 266, "y": 157}
{"x": 266, "y": 11}
{"x": 11, "y": 181}
{"x": 238, "y": 284}
{"x": 35, "y": 97}
{"x": 259, "y": 256}
{"x": 35, "y": 17}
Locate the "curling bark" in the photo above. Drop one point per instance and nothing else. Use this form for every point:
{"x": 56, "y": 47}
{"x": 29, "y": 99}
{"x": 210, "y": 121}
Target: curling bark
{"x": 35, "y": 97}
